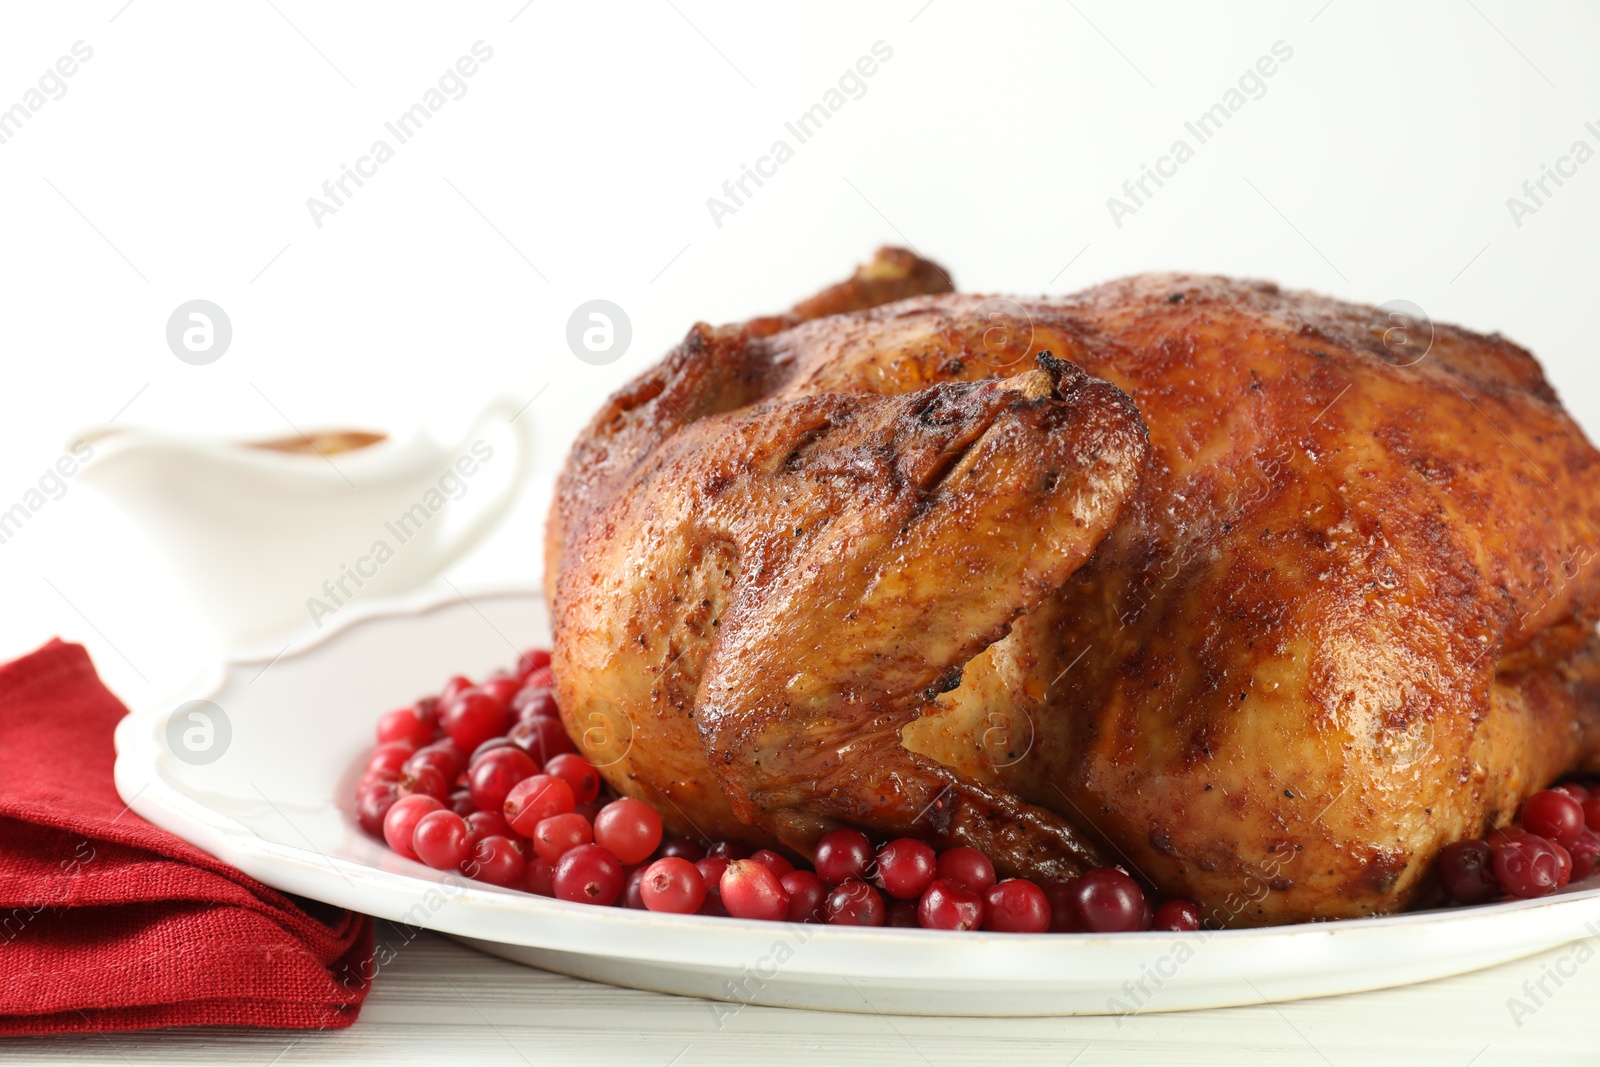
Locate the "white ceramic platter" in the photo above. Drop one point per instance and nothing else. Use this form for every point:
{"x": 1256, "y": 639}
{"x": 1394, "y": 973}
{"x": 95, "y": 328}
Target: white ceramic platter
{"x": 278, "y": 804}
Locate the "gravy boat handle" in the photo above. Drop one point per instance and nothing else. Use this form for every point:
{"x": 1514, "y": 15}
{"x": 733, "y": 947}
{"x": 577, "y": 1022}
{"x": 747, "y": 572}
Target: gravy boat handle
{"x": 504, "y": 409}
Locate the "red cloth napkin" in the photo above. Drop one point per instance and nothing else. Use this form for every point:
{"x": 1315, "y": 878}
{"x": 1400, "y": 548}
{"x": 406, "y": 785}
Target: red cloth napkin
{"x": 110, "y": 923}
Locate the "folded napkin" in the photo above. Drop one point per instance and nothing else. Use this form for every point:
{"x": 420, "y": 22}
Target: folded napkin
{"x": 110, "y": 923}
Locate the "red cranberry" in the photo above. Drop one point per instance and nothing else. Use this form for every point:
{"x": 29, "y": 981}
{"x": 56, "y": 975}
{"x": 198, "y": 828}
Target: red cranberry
{"x": 531, "y": 661}
{"x": 632, "y": 888}
{"x": 682, "y": 848}
{"x": 1528, "y": 866}
{"x": 1504, "y": 835}
{"x": 855, "y": 903}
{"x": 472, "y": 718}
{"x": 843, "y": 855}
{"x": 902, "y": 913}
{"x": 534, "y": 702}
{"x": 807, "y": 897}
{"x": 728, "y": 850}
{"x": 906, "y": 868}
{"x": 1591, "y": 810}
{"x": 427, "y": 709}
{"x": 496, "y": 860}
{"x": 404, "y": 724}
{"x": 750, "y": 890}
{"x": 1553, "y": 815}
{"x": 1573, "y": 790}
{"x": 425, "y": 781}
{"x": 559, "y": 834}
{"x": 579, "y": 774}
{"x": 1466, "y": 872}
{"x": 542, "y": 678}
{"x": 482, "y": 824}
{"x": 372, "y": 804}
{"x": 1016, "y": 906}
{"x": 495, "y": 773}
{"x": 1564, "y": 870}
{"x": 535, "y": 799}
{"x": 390, "y": 757}
{"x": 443, "y": 756}
{"x": 455, "y": 685}
{"x": 1107, "y": 901}
{"x": 967, "y": 866}
{"x": 711, "y": 869}
{"x": 390, "y": 778}
{"x": 950, "y": 905}
{"x": 1177, "y": 915}
{"x": 774, "y": 862}
{"x": 502, "y": 688}
{"x": 538, "y": 875}
{"x": 400, "y": 822}
{"x": 440, "y": 840}
{"x": 588, "y": 874}
{"x": 489, "y": 746}
{"x": 460, "y": 802}
{"x": 673, "y": 885}
{"x": 630, "y": 828}
{"x": 1585, "y": 852}
{"x": 1063, "y": 918}
{"x": 543, "y": 738}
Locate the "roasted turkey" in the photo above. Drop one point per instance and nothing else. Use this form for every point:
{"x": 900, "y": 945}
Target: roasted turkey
{"x": 1263, "y": 596}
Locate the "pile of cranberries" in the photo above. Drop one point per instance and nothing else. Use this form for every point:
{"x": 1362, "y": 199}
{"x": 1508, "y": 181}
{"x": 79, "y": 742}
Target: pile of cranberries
{"x": 484, "y": 780}
{"x": 1556, "y": 840}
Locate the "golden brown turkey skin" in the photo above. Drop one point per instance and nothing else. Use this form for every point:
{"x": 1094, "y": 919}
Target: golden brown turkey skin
{"x": 757, "y": 560}
{"x": 1342, "y": 614}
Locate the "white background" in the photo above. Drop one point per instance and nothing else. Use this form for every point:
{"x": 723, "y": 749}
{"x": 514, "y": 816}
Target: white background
{"x": 177, "y": 166}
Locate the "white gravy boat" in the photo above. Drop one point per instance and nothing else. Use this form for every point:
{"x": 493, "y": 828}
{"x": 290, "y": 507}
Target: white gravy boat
{"x": 271, "y": 539}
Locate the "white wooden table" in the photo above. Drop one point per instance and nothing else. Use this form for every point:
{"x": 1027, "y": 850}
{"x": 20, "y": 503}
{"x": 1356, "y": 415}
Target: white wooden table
{"x": 439, "y": 1002}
